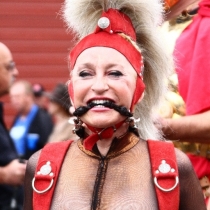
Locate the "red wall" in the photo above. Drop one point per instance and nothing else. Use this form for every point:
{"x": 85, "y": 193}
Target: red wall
{"x": 37, "y": 38}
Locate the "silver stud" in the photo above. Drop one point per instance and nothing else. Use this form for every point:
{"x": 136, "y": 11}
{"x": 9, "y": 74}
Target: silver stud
{"x": 103, "y": 22}
{"x": 46, "y": 169}
{"x": 164, "y": 167}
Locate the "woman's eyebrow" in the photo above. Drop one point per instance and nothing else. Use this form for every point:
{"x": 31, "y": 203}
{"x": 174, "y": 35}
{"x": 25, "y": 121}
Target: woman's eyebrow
{"x": 113, "y": 65}
{"x": 107, "y": 66}
{"x": 87, "y": 65}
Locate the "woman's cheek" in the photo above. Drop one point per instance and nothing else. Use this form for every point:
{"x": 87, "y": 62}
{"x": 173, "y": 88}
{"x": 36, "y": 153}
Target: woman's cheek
{"x": 80, "y": 93}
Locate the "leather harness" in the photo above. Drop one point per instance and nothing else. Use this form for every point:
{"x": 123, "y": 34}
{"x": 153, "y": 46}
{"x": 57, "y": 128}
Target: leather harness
{"x": 163, "y": 165}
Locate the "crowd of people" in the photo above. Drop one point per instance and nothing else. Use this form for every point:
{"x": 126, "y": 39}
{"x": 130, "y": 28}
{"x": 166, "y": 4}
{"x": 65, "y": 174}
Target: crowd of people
{"x": 94, "y": 143}
{"x": 33, "y": 126}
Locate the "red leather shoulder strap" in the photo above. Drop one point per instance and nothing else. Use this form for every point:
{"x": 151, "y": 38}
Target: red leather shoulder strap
{"x": 164, "y": 170}
{"x": 165, "y": 174}
{"x": 47, "y": 171}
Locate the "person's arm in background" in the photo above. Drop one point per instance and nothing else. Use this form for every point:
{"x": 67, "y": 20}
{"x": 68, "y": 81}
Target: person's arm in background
{"x": 194, "y": 128}
{"x": 13, "y": 173}
{"x": 180, "y": 6}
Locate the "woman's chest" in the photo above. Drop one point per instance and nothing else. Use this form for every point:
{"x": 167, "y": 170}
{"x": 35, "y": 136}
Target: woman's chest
{"x": 123, "y": 182}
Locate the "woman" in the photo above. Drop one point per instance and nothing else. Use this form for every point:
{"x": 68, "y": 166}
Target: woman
{"x": 58, "y": 108}
{"x": 110, "y": 166}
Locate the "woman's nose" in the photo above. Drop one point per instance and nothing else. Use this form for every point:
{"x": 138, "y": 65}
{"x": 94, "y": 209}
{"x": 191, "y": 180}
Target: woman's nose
{"x": 100, "y": 84}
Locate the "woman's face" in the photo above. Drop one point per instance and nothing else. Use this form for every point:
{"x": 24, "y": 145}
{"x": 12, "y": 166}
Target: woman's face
{"x": 102, "y": 74}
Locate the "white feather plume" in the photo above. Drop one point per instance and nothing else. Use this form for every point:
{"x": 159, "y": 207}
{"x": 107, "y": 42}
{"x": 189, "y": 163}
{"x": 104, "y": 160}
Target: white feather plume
{"x": 81, "y": 16}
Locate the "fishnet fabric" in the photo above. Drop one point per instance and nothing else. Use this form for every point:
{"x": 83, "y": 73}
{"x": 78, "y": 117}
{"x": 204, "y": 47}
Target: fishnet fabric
{"x": 127, "y": 173}
{"x": 127, "y": 185}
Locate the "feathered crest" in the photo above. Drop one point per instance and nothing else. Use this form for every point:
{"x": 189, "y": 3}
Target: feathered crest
{"x": 81, "y": 16}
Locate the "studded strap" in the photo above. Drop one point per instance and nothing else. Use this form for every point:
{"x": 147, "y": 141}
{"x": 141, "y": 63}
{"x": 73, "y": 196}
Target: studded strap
{"x": 164, "y": 170}
{"x": 47, "y": 172}
{"x": 165, "y": 174}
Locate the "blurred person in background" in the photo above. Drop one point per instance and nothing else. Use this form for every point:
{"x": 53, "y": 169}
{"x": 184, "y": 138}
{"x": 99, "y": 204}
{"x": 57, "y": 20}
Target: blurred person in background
{"x": 32, "y": 125}
{"x": 59, "y": 105}
{"x": 39, "y": 96}
{"x": 192, "y": 57}
{"x": 175, "y": 7}
{"x": 11, "y": 170}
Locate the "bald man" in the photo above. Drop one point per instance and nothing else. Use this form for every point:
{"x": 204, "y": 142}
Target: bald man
{"x": 11, "y": 170}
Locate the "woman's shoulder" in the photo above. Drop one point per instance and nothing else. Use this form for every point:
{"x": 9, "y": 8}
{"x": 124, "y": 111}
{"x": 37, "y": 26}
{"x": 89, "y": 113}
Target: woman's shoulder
{"x": 31, "y": 164}
{"x": 50, "y": 152}
{"x": 183, "y": 162}
{"x": 191, "y": 196}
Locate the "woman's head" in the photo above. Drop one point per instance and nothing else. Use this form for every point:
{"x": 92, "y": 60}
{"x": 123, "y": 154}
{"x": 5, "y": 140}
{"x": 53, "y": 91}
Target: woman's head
{"x": 108, "y": 34}
{"x": 100, "y": 75}
{"x": 138, "y": 21}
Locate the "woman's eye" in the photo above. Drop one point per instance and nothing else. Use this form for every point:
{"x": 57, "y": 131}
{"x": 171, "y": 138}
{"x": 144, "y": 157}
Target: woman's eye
{"x": 84, "y": 74}
{"x": 115, "y": 73}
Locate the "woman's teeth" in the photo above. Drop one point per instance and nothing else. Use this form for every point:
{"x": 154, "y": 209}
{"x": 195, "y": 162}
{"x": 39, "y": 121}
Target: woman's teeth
{"x": 100, "y": 102}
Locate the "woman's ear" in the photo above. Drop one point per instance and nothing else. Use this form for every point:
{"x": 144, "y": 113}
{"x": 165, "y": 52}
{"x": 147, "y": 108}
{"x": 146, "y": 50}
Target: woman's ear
{"x": 71, "y": 91}
{"x": 71, "y": 109}
{"x": 72, "y": 103}
{"x": 140, "y": 99}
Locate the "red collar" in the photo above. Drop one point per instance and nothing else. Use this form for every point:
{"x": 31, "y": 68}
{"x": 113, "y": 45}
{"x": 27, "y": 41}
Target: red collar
{"x": 100, "y": 133}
